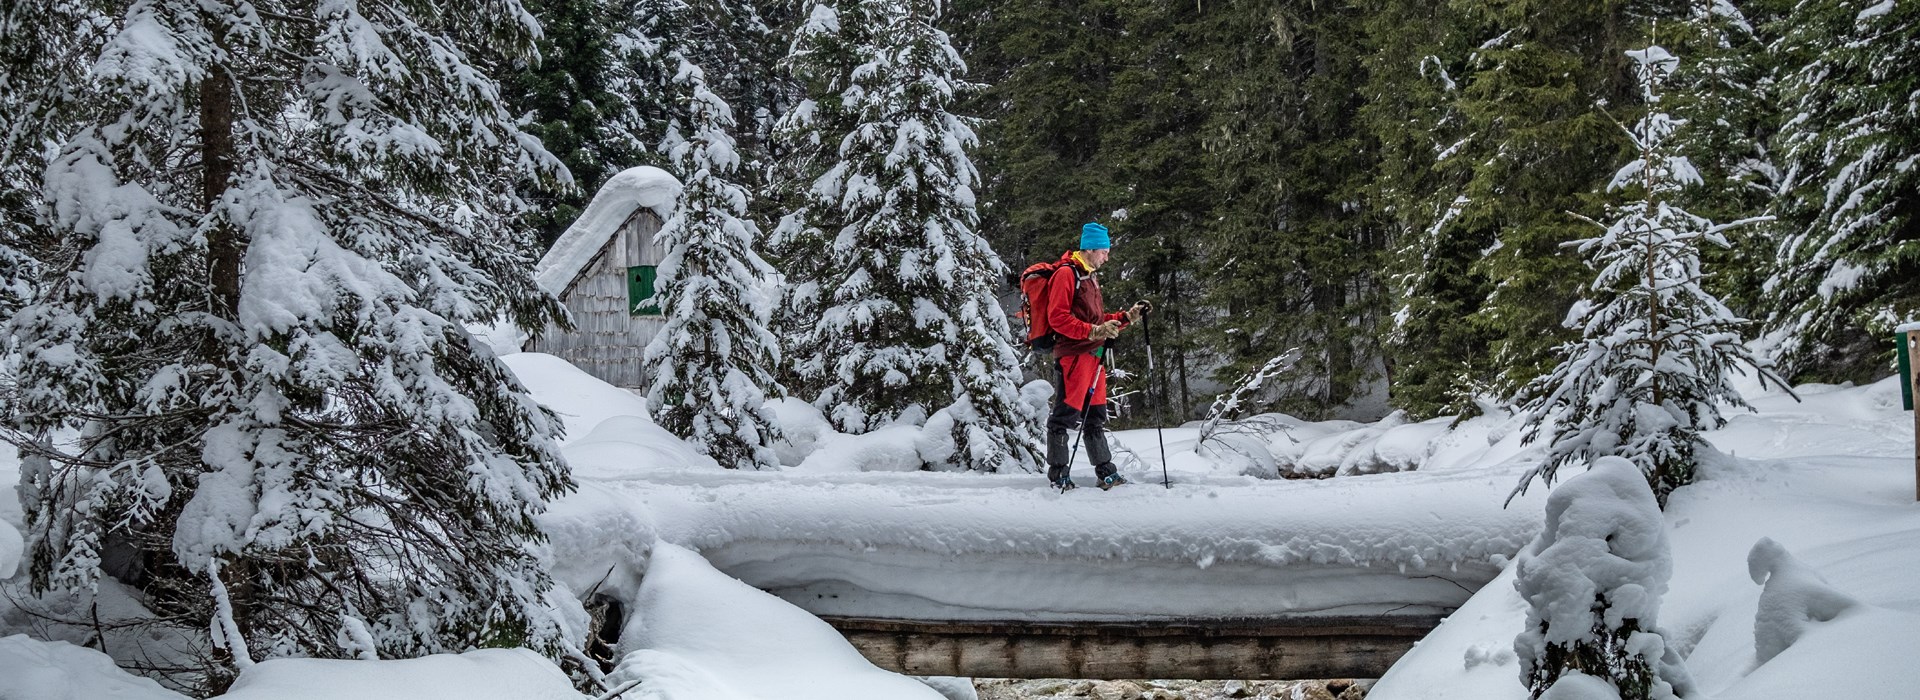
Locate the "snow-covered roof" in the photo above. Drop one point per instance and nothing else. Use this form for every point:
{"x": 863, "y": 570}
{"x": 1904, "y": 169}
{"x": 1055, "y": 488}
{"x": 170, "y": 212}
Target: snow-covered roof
{"x": 633, "y": 188}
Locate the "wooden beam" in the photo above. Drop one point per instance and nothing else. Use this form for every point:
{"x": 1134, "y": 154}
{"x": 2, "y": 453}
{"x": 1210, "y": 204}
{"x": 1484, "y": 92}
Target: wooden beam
{"x": 1305, "y": 647}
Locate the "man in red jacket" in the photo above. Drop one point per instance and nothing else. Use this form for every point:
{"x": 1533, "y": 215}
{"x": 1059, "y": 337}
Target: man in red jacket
{"x": 1082, "y": 326}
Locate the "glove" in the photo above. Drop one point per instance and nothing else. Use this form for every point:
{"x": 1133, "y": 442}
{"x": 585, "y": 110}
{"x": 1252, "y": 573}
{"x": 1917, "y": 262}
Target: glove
{"x": 1105, "y": 331}
{"x": 1139, "y": 308}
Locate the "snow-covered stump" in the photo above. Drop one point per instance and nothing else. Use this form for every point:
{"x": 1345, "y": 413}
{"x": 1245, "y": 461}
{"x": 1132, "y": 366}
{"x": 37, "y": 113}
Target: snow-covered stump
{"x": 1593, "y": 581}
{"x": 1795, "y": 597}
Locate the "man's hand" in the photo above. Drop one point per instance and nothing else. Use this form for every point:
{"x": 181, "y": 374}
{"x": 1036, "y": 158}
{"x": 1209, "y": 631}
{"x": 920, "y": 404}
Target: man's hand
{"x": 1105, "y": 331}
{"x": 1139, "y": 308}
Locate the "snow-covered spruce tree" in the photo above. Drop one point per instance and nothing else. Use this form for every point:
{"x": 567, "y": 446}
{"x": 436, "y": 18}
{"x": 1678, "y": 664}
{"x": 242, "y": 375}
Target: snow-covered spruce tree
{"x": 1593, "y": 580}
{"x": 713, "y": 362}
{"x": 827, "y": 45}
{"x": 1848, "y": 267}
{"x": 908, "y": 325}
{"x": 248, "y": 363}
{"x": 1650, "y": 370}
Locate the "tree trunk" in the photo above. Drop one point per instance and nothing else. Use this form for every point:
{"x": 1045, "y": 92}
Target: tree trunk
{"x": 224, "y": 245}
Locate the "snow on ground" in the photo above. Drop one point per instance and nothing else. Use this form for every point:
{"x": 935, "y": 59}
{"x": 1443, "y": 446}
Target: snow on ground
{"x": 486, "y": 674}
{"x": 1415, "y": 519}
{"x": 697, "y": 634}
{"x": 1831, "y": 480}
{"x": 31, "y": 669}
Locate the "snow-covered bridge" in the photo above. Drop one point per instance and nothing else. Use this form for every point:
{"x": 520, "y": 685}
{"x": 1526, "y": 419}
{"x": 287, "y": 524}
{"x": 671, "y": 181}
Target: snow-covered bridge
{"x": 996, "y": 575}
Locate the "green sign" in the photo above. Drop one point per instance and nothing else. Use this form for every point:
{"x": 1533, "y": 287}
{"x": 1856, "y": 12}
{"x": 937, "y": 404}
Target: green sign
{"x": 1906, "y": 372}
{"x": 640, "y": 298}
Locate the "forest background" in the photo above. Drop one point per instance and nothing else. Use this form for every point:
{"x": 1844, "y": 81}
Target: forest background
{"x": 1387, "y": 185}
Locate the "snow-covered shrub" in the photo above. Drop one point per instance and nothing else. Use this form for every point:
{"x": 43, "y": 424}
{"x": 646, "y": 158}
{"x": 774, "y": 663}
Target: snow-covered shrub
{"x": 1221, "y": 435}
{"x": 1794, "y": 599}
{"x": 1593, "y": 580}
{"x": 10, "y": 548}
{"x": 802, "y": 427}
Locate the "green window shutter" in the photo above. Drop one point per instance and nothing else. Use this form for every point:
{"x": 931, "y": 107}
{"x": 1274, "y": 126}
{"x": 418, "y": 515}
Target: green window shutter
{"x": 640, "y": 298}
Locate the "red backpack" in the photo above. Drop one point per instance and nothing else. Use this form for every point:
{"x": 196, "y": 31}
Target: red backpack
{"x": 1033, "y": 302}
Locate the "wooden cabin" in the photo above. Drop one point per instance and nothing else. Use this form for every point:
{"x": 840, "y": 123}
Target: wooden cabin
{"x": 602, "y": 269}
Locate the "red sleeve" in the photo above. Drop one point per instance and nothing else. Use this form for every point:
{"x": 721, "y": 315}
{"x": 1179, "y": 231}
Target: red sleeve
{"x": 1120, "y": 316}
{"x": 1060, "y": 318}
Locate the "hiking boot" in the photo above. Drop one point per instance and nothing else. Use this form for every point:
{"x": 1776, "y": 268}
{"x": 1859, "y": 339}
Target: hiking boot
{"x": 1111, "y": 480}
{"x": 1063, "y": 484}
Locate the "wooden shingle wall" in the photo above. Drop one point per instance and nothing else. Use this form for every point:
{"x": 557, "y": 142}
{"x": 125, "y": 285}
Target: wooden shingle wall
{"x": 607, "y": 341}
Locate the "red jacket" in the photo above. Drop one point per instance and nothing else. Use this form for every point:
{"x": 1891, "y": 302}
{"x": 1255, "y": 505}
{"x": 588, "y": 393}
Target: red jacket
{"x": 1074, "y": 306}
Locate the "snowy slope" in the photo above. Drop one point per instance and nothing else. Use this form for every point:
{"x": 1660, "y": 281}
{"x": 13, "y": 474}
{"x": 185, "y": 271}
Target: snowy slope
{"x": 1831, "y": 479}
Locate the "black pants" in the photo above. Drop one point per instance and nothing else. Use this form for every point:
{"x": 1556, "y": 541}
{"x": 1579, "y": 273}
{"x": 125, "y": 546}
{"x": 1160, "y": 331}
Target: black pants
{"x": 1093, "y": 425}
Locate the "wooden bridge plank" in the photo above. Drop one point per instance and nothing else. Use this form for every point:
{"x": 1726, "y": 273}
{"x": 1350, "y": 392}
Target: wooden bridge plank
{"x": 1293, "y": 648}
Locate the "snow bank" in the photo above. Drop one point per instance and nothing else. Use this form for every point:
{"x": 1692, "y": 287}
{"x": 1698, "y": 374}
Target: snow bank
{"x": 623, "y": 446}
{"x": 31, "y": 669}
{"x": 975, "y": 546}
{"x": 582, "y": 400}
{"x": 802, "y": 427}
{"x": 895, "y": 448}
{"x": 1345, "y": 448}
{"x": 952, "y": 688}
{"x": 632, "y": 189}
{"x": 486, "y": 674}
{"x": 696, "y": 634}
{"x": 1836, "y": 488}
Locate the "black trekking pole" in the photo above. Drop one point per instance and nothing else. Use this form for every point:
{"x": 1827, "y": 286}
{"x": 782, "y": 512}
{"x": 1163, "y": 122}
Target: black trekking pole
{"x": 1146, "y": 328}
{"x": 1085, "y": 405}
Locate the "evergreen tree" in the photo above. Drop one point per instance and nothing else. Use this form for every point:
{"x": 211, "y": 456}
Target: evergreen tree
{"x": 275, "y": 221}
{"x": 580, "y": 102}
{"x": 826, "y": 48}
{"x": 908, "y": 322}
{"x": 1151, "y": 169}
{"x": 1848, "y": 267}
{"x": 1048, "y": 69}
{"x": 1651, "y": 369}
{"x": 1722, "y": 97}
{"x": 1291, "y": 245}
{"x": 712, "y": 362}
{"x": 1436, "y": 351}
{"x": 1534, "y": 148}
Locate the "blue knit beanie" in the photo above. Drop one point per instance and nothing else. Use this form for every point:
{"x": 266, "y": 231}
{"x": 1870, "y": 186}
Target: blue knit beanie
{"x": 1094, "y": 237}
